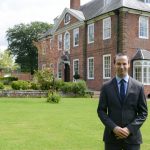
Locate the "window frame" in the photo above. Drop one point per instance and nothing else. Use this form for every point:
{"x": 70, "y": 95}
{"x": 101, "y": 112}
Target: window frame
{"x": 147, "y": 1}
{"x": 107, "y": 28}
{"x": 59, "y": 40}
{"x": 67, "y": 18}
{"x": 143, "y": 65}
{"x": 75, "y": 32}
{"x": 90, "y": 40}
{"x": 43, "y": 66}
{"x": 59, "y": 70}
{"x": 75, "y": 60}
{"x": 68, "y": 48}
{"x": 108, "y": 68}
{"x": 145, "y": 28}
{"x": 88, "y": 68}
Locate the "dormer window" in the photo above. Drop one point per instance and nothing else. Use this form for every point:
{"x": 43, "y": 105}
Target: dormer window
{"x": 147, "y": 1}
{"x": 67, "y": 18}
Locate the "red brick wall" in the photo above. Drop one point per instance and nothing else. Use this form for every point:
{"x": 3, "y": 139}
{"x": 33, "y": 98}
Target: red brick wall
{"x": 128, "y": 41}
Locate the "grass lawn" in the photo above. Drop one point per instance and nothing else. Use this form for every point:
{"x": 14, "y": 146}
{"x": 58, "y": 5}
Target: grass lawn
{"x": 33, "y": 124}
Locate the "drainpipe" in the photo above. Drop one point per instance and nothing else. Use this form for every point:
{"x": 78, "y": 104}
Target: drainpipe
{"x": 85, "y": 53}
{"x": 118, "y": 37}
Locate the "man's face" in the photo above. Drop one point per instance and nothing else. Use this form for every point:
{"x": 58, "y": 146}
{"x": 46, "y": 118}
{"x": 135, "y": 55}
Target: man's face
{"x": 121, "y": 66}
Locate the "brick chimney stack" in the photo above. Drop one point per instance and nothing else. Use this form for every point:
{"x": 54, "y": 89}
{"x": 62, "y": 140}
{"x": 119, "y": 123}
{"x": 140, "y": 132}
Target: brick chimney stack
{"x": 75, "y": 4}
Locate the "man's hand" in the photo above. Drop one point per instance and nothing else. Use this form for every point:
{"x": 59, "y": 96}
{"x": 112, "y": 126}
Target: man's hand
{"x": 121, "y": 133}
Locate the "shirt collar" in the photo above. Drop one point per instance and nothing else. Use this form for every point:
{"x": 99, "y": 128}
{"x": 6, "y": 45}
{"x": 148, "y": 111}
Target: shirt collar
{"x": 126, "y": 78}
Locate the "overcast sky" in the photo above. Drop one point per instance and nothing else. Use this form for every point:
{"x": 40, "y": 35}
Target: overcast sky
{"x": 14, "y": 12}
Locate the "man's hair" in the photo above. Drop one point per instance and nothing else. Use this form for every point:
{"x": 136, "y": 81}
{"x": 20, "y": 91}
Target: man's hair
{"x": 121, "y": 54}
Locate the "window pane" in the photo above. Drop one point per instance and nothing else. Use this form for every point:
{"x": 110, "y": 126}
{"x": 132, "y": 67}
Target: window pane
{"x": 91, "y": 33}
{"x": 107, "y": 28}
{"x": 76, "y": 67}
{"x": 60, "y": 70}
{"x": 143, "y": 23}
{"x": 138, "y": 73}
{"x": 107, "y": 66}
{"x": 149, "y": 75}
{"x": 145, "y": 75}
{"x": 67, "y": 41}
{"x": 76, "y": 36}
{"x": 60, "y": 41}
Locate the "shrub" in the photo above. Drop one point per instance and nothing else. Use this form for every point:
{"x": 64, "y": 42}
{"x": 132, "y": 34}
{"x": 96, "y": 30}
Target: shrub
{"x": 76, "y": 76}
{"x": 44, "y": 78}
{"x": 79, "y": 88}
{"x": 53, "y": 97}
{"x": 34, "y": 86}
{"x": 20, "y": 85}
{"x": 1, "y": 85}
{"x": 67, "y": 87}
{"x": 8, "y": 80}
{"x": 57, "y": 84}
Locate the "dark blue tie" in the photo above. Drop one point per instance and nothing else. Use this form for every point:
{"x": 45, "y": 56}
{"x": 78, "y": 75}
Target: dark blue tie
{"x": 122, "y": 90}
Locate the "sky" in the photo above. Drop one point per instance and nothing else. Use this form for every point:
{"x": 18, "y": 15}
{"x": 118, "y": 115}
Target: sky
{"x": 14, "y": 12}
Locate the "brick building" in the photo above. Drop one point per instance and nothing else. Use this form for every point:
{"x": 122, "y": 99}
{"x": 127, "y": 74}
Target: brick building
{"x": 85, "y": 39}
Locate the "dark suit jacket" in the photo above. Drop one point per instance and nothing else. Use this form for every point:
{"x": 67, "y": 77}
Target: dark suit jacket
{"x": 131, "y": 114}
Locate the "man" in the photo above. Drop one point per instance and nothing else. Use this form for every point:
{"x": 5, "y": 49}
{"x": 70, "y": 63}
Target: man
{"x": 122, "y": 108}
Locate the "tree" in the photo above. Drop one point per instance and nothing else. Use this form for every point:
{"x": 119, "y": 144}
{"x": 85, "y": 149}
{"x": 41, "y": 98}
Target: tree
{"x": 20, "y": 42}
{"x": 7, "y": 63}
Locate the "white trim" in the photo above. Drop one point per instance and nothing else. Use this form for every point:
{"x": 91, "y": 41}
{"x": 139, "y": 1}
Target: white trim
{"x": 68, "y": 21}
{"x": 104, "y": 56}
{"x": 75, "y": 31}
{"x": 90, "y": 25}
{"x": 147, "y": 25}
{"x": 73, "y": 65}
{"x": 67, "y": 49}
{"x": 59, "y": 38}
{"x": 71, "y": 12}
{"x": 142, "y": 65}
{"x": 88, "y": 75}
{"x": 58, "y": 63}
{"x": 43, "y": 66}
{"x": 105, "y": 21}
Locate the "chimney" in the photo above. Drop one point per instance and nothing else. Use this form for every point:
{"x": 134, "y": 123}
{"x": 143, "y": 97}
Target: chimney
{"x": 75, "y": 4}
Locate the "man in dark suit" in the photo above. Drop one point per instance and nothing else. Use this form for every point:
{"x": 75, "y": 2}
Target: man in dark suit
{"x": 122, "y": 108}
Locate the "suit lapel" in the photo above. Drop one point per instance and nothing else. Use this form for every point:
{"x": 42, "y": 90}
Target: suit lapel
{"x": 128, "y": 89}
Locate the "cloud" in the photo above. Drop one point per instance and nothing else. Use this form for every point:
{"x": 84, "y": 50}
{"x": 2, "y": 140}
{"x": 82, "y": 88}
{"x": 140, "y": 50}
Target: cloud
{"x": 14, "y": 12}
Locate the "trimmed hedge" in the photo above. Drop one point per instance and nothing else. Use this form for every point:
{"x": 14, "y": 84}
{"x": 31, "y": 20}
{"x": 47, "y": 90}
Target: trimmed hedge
{"x": 20, "y": 85}
{"x": 8, "y": 80}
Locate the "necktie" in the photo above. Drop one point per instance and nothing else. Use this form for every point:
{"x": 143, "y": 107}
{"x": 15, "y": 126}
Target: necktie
{"x": 122, "y": 89}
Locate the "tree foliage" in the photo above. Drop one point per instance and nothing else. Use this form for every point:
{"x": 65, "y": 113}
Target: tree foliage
{"x": 7, "y": 63}
{"x": 20, "y": 41}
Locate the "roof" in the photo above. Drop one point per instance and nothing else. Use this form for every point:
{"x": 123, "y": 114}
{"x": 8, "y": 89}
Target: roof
{"x": 47, "y": 33}
{"x": 142, "y": 54}
{"x": 95, "y": 8}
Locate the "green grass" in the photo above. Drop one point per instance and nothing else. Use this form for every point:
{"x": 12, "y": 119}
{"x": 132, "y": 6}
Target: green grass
{"x": 33, "y": 124}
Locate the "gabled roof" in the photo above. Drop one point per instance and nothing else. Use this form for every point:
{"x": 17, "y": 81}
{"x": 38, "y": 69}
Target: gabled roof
{"x": 95, "y": 8}
{"x": 76, "y": 13}
{"x": 142, "y": 54}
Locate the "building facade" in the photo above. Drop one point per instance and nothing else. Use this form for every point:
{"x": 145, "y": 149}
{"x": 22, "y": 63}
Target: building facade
{"x": 85, "y": 40}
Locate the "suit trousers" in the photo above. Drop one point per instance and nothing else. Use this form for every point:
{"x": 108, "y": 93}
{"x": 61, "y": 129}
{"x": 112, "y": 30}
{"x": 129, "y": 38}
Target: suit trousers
{"x": 122, "y": 146}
